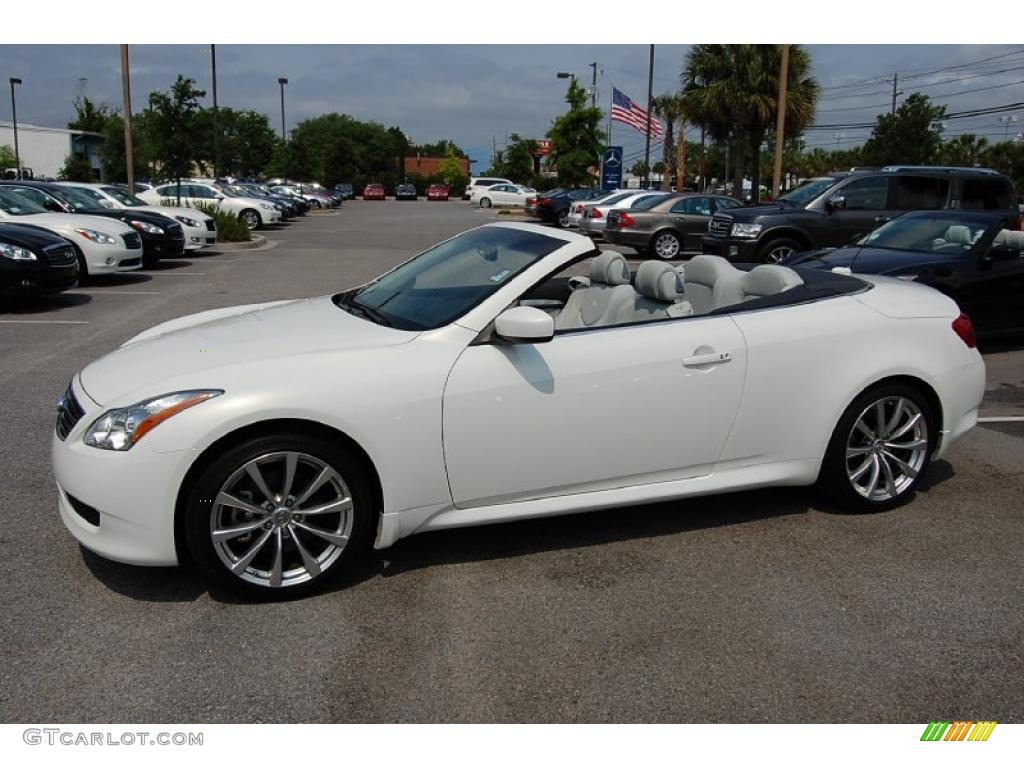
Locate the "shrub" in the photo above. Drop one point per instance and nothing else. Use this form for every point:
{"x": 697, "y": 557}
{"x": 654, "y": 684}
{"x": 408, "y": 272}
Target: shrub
{"x": 230, "y": 229}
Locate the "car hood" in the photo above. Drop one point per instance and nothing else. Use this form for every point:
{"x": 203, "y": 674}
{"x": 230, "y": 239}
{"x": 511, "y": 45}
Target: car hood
{"x": 869, "y": 261}
{"x": 192, "y": 213}
{"x": 68, "y": 222}
{"x": 28, "y": 235}
{"x": 197, "y": 347}
{"x": 754, "y": 212}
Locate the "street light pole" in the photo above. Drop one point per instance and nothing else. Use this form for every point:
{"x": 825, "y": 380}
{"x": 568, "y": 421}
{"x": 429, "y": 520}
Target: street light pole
{"x": 129, "y": 151}
{"x": 647, "y": 138}
{"x": 1006, "y": 120}
{"x": 14, "y": 114}
{"x": 283, "y": 81}
{"x": 593, "y": 85}
{"x": 216, "y": 129}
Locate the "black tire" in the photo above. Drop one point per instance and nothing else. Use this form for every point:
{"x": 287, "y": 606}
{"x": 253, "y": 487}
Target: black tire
{"x": 775, "y": 250}
{"x": 252, "y": 218}
{"x": 834, "y": 478}
{"x": 316, "y": 204}
{"x": 666, "y": 245}
{"x": 562, "y": 220}
{"x": 485, "y": 202}
{"x": 83, "y": 267}
{"x": 200, "y": 508}
{"x": 150, "y": 260}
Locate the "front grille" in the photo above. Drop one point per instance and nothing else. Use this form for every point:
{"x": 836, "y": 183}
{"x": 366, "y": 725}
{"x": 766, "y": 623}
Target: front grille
{"x": 720, "y": 225}
{"x": 211, "y": 225}
{"x": 90, "y": 514}
{"x": 175, "y": 232}
{"x": 69, "y": 412}
{"x": 60, "y": 255}
{"x": 132, "y": 240}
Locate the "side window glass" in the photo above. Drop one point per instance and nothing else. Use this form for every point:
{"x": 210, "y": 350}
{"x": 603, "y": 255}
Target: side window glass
{"x": 865, "y": 194}
{"x": 986, "y": 194}
{"x": 695, "y": 206}
{"x": 920, "y": 193}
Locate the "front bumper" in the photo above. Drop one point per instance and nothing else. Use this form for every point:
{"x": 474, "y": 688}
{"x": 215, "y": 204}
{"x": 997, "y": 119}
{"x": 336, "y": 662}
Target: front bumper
{"x": 730, "y": 248}
{"x": 35, "y": 279}
{"x": 134, "y": 493}
{"x": 112, "y": 259}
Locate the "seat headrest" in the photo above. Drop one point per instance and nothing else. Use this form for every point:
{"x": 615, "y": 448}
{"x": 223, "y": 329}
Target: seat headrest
{"x": 957, "y": 233}
{"x": 610, "y": 268}
{"x": 1010, "y": 238}
{"x": 657, "y": 280}
{"x": 705, "y": 269}
{"x": 769, "y": 279}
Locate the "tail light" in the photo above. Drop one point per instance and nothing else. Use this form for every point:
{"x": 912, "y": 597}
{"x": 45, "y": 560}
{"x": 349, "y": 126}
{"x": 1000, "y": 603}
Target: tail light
{"x": 543, "y": 201}
{"x": 594, "y": 213}
{"x": 1020, "y": 222}
{"x": 963, "y": 328}
{"x": 625, "y": 220}
{"x": 579, "y": 209}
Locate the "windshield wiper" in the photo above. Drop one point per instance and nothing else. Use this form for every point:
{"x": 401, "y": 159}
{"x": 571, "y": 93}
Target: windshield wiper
{"x": 347, "y": 300}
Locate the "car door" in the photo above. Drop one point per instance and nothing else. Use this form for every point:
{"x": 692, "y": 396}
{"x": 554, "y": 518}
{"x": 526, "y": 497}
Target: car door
{"x": 591, "y": 410}
{"x": 855, "y": 209}
{"x": 992, "y": 291}
{"x": 500, "y": 194}
{"x": 690, "y": 217}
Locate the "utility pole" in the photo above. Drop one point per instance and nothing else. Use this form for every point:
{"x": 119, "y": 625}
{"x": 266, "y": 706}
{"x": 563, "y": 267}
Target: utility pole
{"x": 647, "y": 138}
{"x": 14, "y": 114}
{"x": 216, "y": 129}
{"x": 895, "y": 93}
{"x": 126, "y": 87}
{"x": 283, "y": 81}
{"x": 780, "y": 123}
{"x": 593, "y": 84}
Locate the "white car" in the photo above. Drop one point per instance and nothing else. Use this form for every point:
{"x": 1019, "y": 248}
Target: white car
{"x": 252, "y": 210}
{"x": 103, "y": 246}
{"x": 477, "y": 383}
{"x": 501, "y": 195}
{"x": 482, "y": 182}
{"x": 576, "y": 209}
{"x": 199, "y": 228}
{"x": 594, "y": 217}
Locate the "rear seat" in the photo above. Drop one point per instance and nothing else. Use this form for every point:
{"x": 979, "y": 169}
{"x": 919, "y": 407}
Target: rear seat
{"x": 659, "y": 291}
{"x": 1010, "y": 238}
{"x": 767, "y": 280}
{"x": 712, "y": 282}
{"x": 609, "y": 290}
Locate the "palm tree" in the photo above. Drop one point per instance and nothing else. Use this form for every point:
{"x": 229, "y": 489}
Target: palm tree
{"x": 965, "y": 150}
{"x": 669, "y": 107}
{"x": 732, "y": 91}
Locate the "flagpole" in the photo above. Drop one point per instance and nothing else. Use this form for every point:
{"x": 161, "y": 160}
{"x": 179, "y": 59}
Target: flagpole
{"x": 647, "y": 138}
{"x": 611, "y": 102}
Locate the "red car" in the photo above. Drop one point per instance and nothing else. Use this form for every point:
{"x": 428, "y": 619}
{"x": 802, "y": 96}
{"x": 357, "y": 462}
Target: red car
{"x": 374, "y": 192}
{"x": 437, "y": 192}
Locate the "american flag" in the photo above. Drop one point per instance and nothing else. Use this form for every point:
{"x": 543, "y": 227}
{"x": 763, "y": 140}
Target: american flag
{"x": 625, "y": 111}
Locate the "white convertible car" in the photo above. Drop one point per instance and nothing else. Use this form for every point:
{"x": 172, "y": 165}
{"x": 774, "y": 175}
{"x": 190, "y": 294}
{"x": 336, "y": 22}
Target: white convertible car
{"x": 485, "y": 381}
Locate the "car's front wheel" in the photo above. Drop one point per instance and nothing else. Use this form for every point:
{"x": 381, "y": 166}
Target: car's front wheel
{"x": 563, "y": 219}
{"x": 779, "y": 250}
{"x": 485, "y": 202}
{"x": 880, "y": 448}
{"x": 251, "y": 218}
{"x": 279, "y": 515}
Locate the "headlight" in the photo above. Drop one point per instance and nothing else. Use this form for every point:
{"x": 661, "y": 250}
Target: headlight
{"x": 15, "y": 253}
{"x": 96, "y": 236}
{"x": 267, "y": 206}
{"x": 746, "y": 230}
{"x": 145, "y": 226}
{"x": 121, "y": 428}
{"x": 189, "y": 222}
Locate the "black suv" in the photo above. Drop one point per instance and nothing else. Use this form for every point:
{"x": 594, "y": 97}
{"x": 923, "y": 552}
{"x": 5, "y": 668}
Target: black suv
{"x": 839, "y": 209}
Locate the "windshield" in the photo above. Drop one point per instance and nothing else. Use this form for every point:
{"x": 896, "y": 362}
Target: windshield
{"x": 445, "y": 282}
{"x": 806, "y": 192}
{"x": 613, "y": 199}
{"x": 124, "y": 198}
{"x": 927, "y": 234}
{"x": 79, "y": 198}
{"x": 16, "y": 205}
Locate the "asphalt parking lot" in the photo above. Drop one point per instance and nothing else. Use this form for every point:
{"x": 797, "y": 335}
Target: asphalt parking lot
{"x": 758, "y": 606}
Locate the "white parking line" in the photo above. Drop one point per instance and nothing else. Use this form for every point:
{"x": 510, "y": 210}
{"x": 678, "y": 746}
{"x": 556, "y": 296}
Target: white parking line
{"x": 46, "y": 322}
{"x": 172, "y": 273}
{"x": 115, "y": 293}
{"x": 998, "y": 419}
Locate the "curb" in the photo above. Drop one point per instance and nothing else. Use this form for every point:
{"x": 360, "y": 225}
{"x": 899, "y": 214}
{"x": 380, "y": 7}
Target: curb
{"x": 257, "y": 241}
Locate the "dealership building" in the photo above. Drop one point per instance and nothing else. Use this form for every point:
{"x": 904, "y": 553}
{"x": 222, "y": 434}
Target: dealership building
{"x": 44, "y": 150}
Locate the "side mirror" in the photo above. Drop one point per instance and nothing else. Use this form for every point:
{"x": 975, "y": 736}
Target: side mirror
{"x": 836, "y": 202}
{"x": 525, "y": 325}
{"x": 218, "y": 197}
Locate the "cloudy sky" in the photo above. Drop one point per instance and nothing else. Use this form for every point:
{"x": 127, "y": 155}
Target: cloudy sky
{"x": 477, "y": 94}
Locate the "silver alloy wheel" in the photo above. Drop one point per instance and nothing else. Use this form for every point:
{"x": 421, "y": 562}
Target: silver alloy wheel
{"x": 667, "y": 245}
{"x": 288, "y": 535}
{"x": 251, "y": 219}
{"x": 886, "y": 448}
{"x": 485, "y": 202}
{"x": 563, "y": 220}
{"x": 777, "y": 254}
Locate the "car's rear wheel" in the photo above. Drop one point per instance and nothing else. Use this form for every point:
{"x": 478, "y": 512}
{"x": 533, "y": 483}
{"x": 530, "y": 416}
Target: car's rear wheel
{"x": 485, "y": 202}
{"x": 563, "y": 219}
{"x": 667, "y": 245}
{"x": 251, "y": 218}
{"x": 880, "y": 449}
{"x": 316, "y": 204}
{"x": 280, "y": 516}
{"x": 779, "y": 250}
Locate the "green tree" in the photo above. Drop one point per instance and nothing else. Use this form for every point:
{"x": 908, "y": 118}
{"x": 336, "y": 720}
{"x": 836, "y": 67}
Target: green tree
{"x": 732, "y": 91}
{"x": 450, "y": 171}
{"x": 172, "y": 125}
{"x": 1007, "y": 157}
{"x": 6, "y": 157}
{"x": 964, "y": 150}
{"x": 576, "y": 139}
{"x": 670, "y": 108}
{"x": 245, "y": 141}
{"x": 90, "y": 116}
{"x": 440, "y": 149}
{"x": 516, "y": 161}
{"x": 75, "y": 169}
{"x": 113, "y": 156}
{"x": 911, "y": 136}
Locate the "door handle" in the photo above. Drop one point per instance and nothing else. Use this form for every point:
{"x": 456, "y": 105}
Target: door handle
{"x": 708, "y": 358}
{"x": 882, "y": 219}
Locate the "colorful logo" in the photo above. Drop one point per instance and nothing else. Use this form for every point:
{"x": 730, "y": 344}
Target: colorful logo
{"x": 960, "y": 730}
